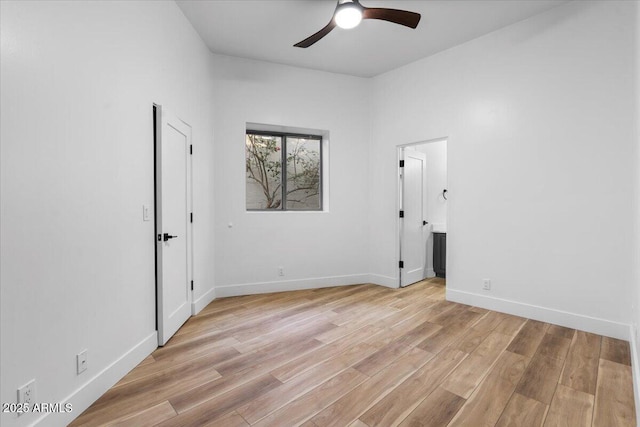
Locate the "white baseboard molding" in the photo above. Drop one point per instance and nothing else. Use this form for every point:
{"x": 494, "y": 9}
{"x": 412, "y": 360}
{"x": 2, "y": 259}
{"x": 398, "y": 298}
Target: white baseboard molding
{"x": 90, "y": 391}
{"x": 389, "y": 282}
{"x": 203, "y": 301}
{"x": 635, "y": 368}
{"x": 289, "y": 285}
{"x": 557, "y": 317}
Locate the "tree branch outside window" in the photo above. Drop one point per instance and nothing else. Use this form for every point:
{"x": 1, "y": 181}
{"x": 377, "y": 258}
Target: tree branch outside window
{"x": 297, "y": 186}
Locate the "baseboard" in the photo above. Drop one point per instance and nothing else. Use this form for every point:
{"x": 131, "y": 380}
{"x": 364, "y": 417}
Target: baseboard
{"x": 635, "y": 368}
{"x": 389, "y": 282}
{"x": 90, "y": 391}
{"x": 557, "y": 317}
{"x": 289, "y": 285}
{"x": 203, "y": 301}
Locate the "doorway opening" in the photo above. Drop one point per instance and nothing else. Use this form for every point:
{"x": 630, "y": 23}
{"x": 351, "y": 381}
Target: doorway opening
{"x": 422, "y": 221}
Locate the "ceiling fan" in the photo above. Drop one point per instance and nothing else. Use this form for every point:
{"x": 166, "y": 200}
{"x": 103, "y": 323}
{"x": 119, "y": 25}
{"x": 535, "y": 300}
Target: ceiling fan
{"x": 349, "y": 13}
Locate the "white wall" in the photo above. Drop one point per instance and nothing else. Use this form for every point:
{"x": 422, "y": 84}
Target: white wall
{"x": 314, "y": 248}
{"x": 635, "y": 300}
{"x": 541, "y": 143}
{"x": 78, "y": 81}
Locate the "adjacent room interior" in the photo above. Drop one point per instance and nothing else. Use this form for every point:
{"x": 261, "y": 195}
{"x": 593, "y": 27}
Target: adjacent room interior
{"x": 379, "y": 226}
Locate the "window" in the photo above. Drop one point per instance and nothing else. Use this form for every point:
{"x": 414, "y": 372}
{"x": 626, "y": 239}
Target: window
{"x": 284, "y": 171}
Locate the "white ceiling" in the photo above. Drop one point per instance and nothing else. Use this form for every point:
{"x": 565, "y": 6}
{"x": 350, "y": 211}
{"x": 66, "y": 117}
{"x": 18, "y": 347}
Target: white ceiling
{"x": 267, "y": 30}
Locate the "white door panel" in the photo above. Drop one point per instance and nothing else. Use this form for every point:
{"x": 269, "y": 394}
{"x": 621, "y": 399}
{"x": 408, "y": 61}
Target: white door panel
{"x": 173, "y": 230}
{"x": 412, "y": 248}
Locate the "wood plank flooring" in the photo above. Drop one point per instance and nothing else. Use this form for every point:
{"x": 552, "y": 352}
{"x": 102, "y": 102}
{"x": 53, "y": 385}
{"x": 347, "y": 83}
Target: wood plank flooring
{"x": 366, "y": 356}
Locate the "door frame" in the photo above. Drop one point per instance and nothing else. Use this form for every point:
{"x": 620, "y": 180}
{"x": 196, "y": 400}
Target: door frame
{"x": 399, "y": 196}
{"x": 157, "y": 113}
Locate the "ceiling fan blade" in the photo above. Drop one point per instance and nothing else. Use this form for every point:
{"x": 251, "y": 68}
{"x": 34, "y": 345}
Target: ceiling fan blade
{"x": 317, "y": 36}
{"x": 402, "y": 17}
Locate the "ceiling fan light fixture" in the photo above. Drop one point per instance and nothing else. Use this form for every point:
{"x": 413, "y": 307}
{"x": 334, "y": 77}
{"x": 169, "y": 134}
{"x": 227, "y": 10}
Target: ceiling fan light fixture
{"x": 348, "y": 16}
{"x": 349, "y": 13}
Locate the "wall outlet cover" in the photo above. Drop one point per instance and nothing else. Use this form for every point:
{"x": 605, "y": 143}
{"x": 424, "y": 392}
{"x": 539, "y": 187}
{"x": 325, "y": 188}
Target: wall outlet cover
{"x": 81, "y": 361}
{"x": 27, "y": 394}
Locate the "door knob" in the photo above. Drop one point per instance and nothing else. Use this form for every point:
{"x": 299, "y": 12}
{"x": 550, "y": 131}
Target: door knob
{"x": 167, "y": 236}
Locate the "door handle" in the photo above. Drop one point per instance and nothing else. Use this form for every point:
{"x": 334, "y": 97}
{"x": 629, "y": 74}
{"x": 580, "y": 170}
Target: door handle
{"x": 424, "y": 223}
{"x": 166, "y": 236}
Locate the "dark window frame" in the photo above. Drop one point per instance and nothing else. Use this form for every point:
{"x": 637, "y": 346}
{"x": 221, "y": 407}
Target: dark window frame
{"x": 283, "y": 177}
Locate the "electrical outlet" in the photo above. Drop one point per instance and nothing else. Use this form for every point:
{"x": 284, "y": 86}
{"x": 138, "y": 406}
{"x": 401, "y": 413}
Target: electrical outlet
{"x": 486, "y": 284}
{"x": 81, "y": 361}
{"x": 280, "y": 271}
{"x": 27, "y": 395}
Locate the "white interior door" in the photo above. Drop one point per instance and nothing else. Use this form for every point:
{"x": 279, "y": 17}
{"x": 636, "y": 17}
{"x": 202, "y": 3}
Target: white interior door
{"x": 173, "y": 229}
{"x": 412, "y": 242}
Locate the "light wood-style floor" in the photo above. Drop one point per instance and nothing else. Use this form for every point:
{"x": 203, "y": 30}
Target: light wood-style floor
{"x": 371, "y": 356}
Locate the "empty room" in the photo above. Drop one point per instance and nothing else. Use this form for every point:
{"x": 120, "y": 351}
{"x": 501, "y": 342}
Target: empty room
{"x": 320, "y": 213}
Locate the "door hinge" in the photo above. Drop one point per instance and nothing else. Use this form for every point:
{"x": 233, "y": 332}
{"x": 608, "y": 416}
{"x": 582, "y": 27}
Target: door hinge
{"x": 401, "y": 163}
{"x": 192, "y": 285}
{"x": 401, "y": 214}
{"x": 401, "y": 264}
{"x": 191, "y": 149}
{"x": 191, "y": 217}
